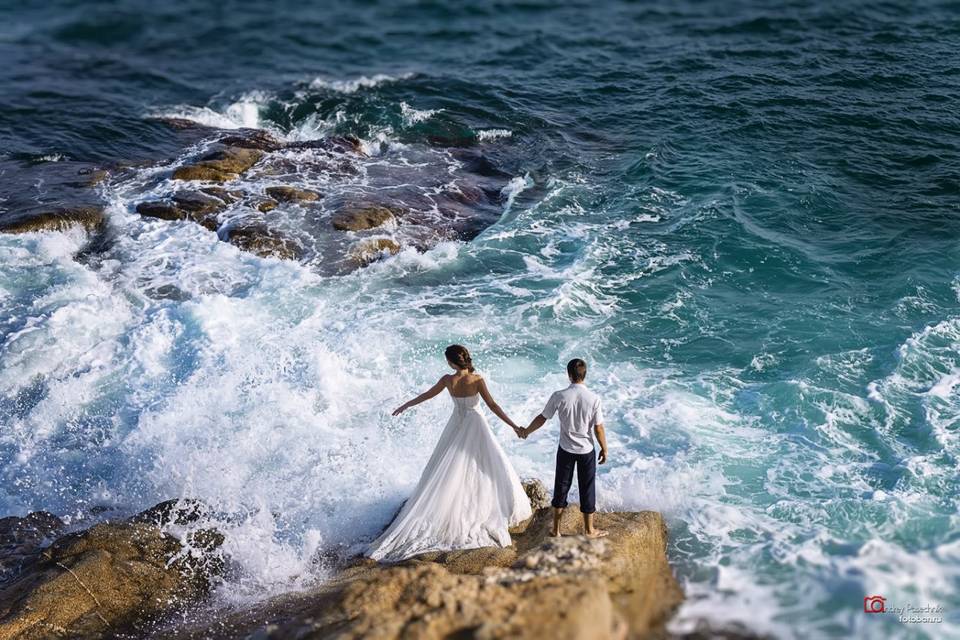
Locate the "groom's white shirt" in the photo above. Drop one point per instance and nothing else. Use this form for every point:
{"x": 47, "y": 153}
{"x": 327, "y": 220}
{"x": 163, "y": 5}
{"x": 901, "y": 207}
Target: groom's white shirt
{"x": 579, "y": 411}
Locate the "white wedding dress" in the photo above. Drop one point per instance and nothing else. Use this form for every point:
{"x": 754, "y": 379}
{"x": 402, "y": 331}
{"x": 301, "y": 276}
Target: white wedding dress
{"x": 467, "y": 497}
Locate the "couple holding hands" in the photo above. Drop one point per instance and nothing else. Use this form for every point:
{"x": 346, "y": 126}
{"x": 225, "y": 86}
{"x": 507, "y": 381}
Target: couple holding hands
{"x": 469, "y": 494}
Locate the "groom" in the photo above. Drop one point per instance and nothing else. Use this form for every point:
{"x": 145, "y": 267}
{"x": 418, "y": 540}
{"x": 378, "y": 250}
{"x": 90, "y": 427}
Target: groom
{"x": 579, "y": 411}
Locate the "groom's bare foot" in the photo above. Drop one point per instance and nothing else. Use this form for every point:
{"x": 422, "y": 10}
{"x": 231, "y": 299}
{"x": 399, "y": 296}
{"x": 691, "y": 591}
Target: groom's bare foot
{"x": 555, "y": 533}
{"x": 596, "y": 533}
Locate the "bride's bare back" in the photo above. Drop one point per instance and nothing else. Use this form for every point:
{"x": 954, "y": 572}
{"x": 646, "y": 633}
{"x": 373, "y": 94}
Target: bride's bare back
{"x": 463, "y": 384}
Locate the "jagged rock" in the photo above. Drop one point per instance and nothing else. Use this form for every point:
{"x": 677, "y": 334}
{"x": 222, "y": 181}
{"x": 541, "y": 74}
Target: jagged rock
{"x": 266, "y": 206}
{"x": 541, "y": 588}
{"x": 360, "y": 217}
{"x": 252, "y": 139}
{"x": 112, "y": 579}
{"x": 263, "y": 241}
{"x": 340, "y": 144}
{"x": 182, "y": 511}
{"x": 21, "y": 539}
{"x": 198, "y": 203}
{"x": 537, "y": 493}
{"x": 292, "y": 194}
{"x": 220, "y": 165}
{"x": 88, "y": 217}
{"x": 93, "y": 177}
{"x": 372, "y": 249}
{"x": 161, "y": 210}
{"x": 196, "y": 207}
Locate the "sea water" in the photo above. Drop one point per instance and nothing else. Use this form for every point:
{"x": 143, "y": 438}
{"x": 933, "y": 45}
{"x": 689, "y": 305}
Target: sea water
{"x": 745, "y": 218}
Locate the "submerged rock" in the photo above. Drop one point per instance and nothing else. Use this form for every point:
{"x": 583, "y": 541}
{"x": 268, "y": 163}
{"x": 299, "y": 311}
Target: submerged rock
{"x": 266, "y": 206}
{"x": 361, "y": 217}
{"x": 111, "y": 579}
{"x": 228, "y": 197}
{"x": 292, "y": 194}
{"x": 572, "y": 588}
{"x": 92, "y": 176}
{"x": 220, "y": 165}
{"x": 89, "y": 217}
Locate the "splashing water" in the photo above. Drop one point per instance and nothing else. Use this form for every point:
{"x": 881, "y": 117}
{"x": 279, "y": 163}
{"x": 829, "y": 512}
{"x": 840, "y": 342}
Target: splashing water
{"x": 759, "y": 265}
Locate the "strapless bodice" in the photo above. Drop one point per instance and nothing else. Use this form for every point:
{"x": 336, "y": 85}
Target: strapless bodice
{"x": 466, "y": 403}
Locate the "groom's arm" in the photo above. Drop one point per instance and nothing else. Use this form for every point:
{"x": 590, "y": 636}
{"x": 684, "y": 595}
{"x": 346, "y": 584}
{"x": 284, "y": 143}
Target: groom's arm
{"x": 535, "y": 424}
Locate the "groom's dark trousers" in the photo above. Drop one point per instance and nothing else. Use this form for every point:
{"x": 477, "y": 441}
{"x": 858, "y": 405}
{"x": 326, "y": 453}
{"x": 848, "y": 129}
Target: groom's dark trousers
{"x": 586, "y": 464}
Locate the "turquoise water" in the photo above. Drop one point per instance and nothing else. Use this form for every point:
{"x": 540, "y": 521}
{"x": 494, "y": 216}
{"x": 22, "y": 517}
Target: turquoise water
{"x": 744, "y": 218}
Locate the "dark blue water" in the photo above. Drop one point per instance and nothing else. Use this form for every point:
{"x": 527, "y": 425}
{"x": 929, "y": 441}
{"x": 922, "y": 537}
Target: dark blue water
{"x": 745, "y": 217}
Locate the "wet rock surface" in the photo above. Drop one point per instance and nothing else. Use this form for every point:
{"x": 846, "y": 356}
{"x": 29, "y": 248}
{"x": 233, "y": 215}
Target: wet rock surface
{"x": 334, "y": 204}
{"x": 259, "y": 239}
{"x": 58, "y": 219}
{"x": 220, "y": 165}
{"x": 110, "y": 580}
{"x": 292, "y": 194}
{"x": 361, "y": 217}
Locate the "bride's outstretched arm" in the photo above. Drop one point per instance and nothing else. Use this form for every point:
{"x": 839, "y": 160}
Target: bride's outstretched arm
{"x": 500, "y": 413}
{"x": 426, "y": 395}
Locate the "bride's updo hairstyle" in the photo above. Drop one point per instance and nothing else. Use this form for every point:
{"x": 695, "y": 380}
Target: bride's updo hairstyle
{"x": 459, "y": 357}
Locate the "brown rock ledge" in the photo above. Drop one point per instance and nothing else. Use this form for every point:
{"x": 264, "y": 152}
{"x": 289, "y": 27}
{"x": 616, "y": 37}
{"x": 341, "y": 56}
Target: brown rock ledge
{"x": 361, "y": 216}
{"x": 60, "y": 219}
{"x": 541, "y": 588}
{"x": 221, "y": 165}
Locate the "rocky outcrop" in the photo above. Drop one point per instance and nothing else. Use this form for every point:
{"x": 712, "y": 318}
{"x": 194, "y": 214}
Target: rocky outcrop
{"x": 111, "y": 579}
{"x": 252, "y": 139}
{"x": 361, "y": 217}
{"x": 292, "y": 194}
{"x": 198, "y": 207}
{"x": 61, "y": 219}
{"x": 568, "y": 588}
{"x": 261, "y": 240}
{"x": 337, "y": 144}
{"x": 220, "y": 165}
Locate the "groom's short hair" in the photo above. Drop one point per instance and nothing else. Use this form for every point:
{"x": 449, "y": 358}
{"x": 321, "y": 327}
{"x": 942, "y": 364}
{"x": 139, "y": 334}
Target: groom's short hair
{"x": 577, "y": 370}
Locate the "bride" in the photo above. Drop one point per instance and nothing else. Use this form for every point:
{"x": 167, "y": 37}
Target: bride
{"x": 468, "y": 495}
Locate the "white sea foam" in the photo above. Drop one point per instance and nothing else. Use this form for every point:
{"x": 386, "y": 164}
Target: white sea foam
{"x": 242, "y": 113}
{"x": 265, "y": 390}
{"x": 412, "y": 116}
{"x": 353, "y": 85}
